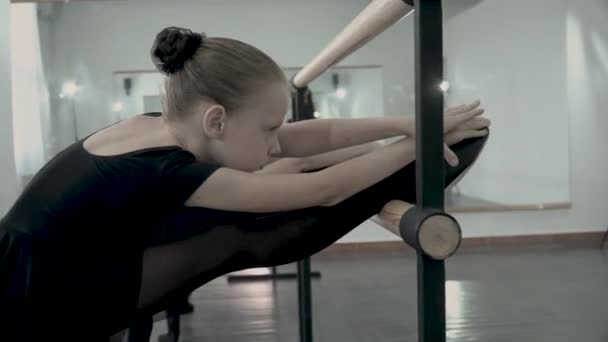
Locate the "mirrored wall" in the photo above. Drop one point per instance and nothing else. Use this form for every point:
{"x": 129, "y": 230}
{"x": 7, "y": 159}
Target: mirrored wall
{"x": 344, "y": 92}
{"x": 514, "y": 60}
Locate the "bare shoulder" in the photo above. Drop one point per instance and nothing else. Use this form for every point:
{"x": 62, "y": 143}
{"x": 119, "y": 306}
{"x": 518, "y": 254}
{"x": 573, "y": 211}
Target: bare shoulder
{"x": 136, "y": 133}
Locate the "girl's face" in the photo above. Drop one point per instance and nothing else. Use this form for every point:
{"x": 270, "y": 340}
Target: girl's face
{"x": 249, "y": 136}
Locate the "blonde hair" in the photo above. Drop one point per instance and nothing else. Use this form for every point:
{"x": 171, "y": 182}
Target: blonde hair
{"x": 226, "y": 71}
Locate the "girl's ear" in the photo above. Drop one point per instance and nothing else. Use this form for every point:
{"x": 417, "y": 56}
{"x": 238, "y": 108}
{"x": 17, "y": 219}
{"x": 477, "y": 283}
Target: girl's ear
{"x": 214, "y": 121}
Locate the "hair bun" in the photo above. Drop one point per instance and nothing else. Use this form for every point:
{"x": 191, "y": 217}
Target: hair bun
{"x": 173, "y": 47}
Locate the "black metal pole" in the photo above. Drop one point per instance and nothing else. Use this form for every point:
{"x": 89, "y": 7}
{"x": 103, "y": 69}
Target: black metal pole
{"x": 305, "y": 300}
{"x": 300, "y": 103}
{"x": 430, "y": 167}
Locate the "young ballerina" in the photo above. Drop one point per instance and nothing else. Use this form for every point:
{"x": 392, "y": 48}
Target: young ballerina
{"x": 120, "y": 225}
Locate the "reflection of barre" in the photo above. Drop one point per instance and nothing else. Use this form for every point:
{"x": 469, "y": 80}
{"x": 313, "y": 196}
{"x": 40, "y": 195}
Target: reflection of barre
{"x": 373, "y": 20}
{"x": 437, "y": 236}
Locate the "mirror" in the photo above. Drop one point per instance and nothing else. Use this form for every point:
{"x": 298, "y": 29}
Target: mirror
{"x": 94, "y": 69}
{"x": 515, "y": 62}
{"x": 345, "y": 92}
{"x": 136, "y": 92}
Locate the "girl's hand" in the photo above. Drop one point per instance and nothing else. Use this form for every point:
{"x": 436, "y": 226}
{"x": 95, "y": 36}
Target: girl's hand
{"x": 464, "y": 117}
{"x": 465, "y": 122}
{"x": 454, "y": 117}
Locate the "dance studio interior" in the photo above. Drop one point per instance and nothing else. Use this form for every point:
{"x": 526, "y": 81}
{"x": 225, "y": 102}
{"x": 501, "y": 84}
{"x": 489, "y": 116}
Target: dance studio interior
{"x": 515, "y": 249}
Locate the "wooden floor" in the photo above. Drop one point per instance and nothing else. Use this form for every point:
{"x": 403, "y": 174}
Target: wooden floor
{"x": 535, "y": 295}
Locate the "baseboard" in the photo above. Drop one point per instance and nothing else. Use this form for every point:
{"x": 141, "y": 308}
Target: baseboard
{"x": 565, "y": 240}
{"x": 489, "y": 208}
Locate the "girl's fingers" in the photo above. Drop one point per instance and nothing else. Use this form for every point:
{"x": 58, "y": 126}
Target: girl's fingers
{"x": 458, "y": 136}
{"x": 450, "y": 156}
{"x": 463, "y": 108}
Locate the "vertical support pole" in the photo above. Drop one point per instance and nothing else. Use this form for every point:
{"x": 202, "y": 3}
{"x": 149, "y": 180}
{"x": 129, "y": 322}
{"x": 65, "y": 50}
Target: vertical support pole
{"x": 430, "y": 167}
{"x": 305, "y": 300}
{"x": 304, "y": 287}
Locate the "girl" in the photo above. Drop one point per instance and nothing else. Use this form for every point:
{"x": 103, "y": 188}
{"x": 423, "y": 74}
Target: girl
{"x": 137, "y": 215}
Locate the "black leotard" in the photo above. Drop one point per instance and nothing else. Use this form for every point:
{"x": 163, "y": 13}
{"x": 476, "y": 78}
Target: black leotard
{"x": 84, "y": 219}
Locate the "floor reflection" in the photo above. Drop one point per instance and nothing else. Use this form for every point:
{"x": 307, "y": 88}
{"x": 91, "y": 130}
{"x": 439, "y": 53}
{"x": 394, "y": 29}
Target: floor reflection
{"x": 504, "y": 296}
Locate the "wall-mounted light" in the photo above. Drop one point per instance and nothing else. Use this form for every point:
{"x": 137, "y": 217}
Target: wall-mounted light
{"x": 69, "y": 89}
{"x": 341, "y": 93}
{"x": 444, "y": 86}
{"x": 117, "y": 107}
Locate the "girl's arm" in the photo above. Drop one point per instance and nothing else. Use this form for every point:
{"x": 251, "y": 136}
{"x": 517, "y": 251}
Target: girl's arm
{"x": 233, "y": 190}
{"x": 313, "y": 137}
{"x": 320, "y": 161}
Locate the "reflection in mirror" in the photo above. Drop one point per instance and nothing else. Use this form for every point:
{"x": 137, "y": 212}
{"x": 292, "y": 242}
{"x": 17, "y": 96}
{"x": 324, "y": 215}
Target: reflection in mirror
{"x": 343, "y": 92}
{"x": 518, "y": 69}
{"x": 92, "y": 68}
{"x": 136, "y": 92}
{"x": 347, "y": 92}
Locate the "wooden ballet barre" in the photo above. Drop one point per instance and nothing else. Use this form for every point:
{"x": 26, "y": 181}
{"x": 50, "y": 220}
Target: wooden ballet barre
{"x": 373, "y": 20}
{"x": 433, "y": 233}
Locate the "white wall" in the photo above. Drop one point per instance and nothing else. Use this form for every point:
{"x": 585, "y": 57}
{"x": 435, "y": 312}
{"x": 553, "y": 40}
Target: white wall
{"x": 8, "y": 176}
